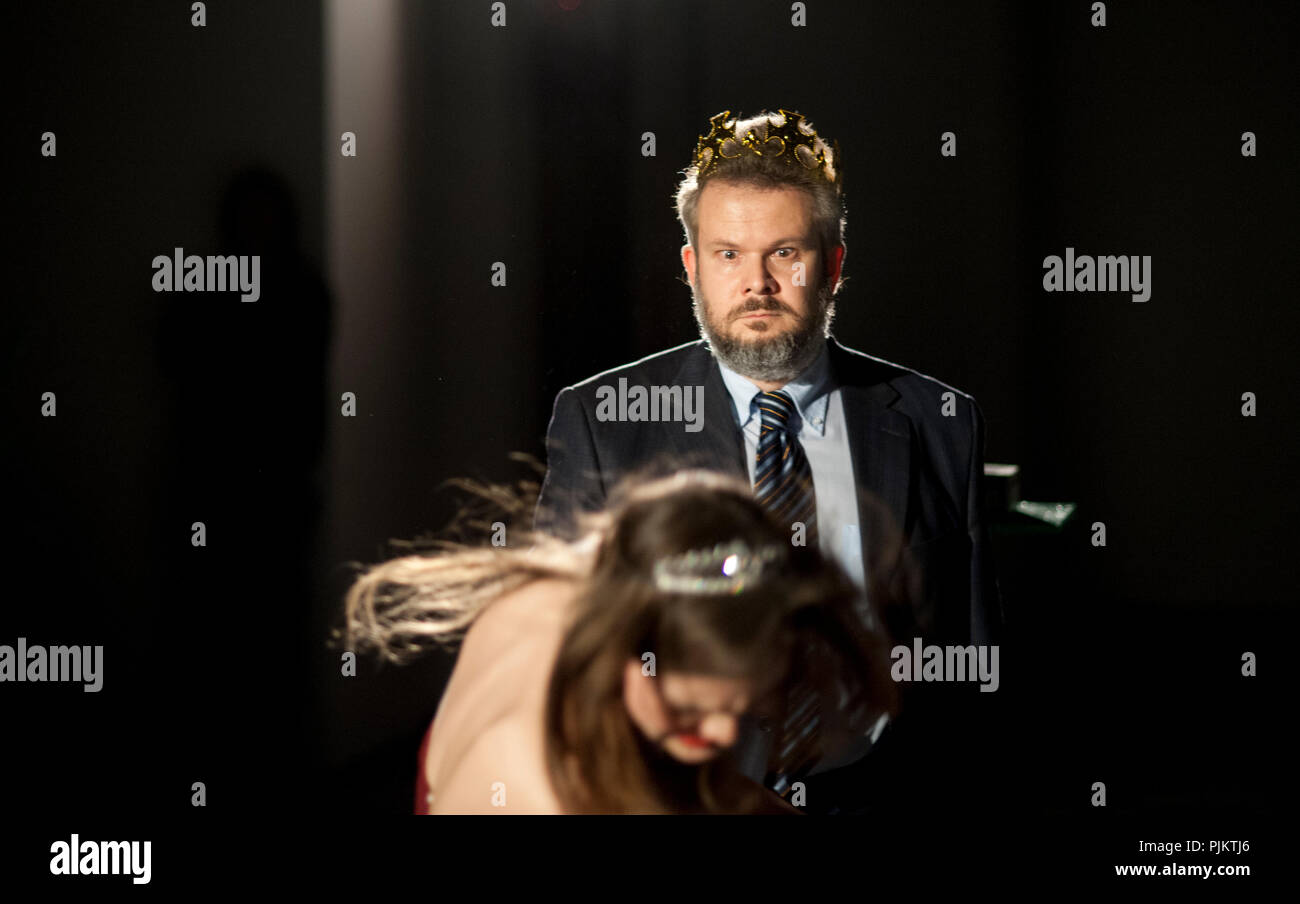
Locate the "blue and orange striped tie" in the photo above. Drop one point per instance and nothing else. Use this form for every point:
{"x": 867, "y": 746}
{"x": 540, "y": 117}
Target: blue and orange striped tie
{"x": 783, "y": 485}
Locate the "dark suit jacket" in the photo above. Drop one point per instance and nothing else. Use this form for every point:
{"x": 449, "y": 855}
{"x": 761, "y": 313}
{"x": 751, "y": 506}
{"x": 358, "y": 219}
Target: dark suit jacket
{"x": 917, "y": 467}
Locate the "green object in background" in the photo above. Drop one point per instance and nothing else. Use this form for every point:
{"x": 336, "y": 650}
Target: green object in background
{"x": 1053, "y": 513}
{"x": 1009, "y": 514}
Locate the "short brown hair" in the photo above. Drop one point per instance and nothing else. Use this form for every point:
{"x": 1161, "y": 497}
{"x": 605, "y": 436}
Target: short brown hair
{"x": 830, "y": 219}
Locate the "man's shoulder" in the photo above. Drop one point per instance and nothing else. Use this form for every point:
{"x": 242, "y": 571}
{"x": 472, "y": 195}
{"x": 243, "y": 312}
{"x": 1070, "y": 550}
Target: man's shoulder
{"x": 854, "y": 367}
{"x": 661, "y": 368}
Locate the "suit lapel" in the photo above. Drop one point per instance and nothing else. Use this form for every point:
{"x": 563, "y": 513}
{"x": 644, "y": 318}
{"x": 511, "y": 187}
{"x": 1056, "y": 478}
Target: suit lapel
{"x": 719, "y": 446}
{"x": 880, "y": 439}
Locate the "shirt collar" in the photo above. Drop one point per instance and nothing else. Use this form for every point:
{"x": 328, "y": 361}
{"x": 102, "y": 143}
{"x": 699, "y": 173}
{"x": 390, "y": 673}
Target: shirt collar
{"x": 810, "y": 392}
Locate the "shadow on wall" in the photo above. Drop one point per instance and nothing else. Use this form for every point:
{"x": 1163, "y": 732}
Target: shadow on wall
{"x": 246, "y": 397}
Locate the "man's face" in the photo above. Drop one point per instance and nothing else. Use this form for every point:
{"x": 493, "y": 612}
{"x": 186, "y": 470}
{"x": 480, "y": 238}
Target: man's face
{"x": 745, "y": 272}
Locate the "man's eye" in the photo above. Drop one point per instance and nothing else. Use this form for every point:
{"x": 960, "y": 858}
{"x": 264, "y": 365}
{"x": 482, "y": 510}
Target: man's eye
{"x": 790, "y": 250}
{"x": 725, "y": 253}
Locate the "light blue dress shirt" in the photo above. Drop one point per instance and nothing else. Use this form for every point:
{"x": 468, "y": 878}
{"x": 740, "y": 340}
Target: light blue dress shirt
{"x": 822, "y": 430}
{"x": 819, "y": 424}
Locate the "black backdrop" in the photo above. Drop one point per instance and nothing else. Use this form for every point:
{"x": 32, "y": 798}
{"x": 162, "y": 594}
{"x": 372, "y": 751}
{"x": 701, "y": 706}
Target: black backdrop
{"x": 524, "y": 144}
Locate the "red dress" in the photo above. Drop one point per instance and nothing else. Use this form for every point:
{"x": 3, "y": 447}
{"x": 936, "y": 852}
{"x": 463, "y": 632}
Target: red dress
{"x": 423, "y": 799}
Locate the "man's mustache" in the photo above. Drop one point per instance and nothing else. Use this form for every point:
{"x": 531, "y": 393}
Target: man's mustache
{"x": 754, "y": 305}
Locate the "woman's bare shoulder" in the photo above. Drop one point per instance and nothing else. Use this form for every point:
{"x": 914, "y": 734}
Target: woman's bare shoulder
{"x": 498, "y": 686}
{"x": 509, "y": 650}
{"x": 525, "y": 611}
{"x": 503, "y": 771}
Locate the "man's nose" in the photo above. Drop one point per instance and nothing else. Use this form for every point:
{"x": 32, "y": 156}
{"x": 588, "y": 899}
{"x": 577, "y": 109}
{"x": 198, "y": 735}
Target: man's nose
{"x": 719, "y": 729}
{"x": 759, "y": 280}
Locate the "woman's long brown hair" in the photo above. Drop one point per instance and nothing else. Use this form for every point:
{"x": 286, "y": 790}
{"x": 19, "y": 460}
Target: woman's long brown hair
{"x": 795, "y": 624}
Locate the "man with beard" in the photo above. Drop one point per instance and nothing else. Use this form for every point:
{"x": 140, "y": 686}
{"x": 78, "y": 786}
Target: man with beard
{"x": 850, "y": 451}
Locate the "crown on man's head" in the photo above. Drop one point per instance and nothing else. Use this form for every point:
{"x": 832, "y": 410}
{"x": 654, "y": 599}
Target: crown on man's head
{"x": 784, "y": 134}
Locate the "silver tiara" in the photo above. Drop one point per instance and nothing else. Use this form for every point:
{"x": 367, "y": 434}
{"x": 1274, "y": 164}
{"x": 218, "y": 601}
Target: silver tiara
{"x": 726, "y": 568}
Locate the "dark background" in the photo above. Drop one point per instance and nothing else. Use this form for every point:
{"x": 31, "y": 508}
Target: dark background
{"x": 523, "y": 145}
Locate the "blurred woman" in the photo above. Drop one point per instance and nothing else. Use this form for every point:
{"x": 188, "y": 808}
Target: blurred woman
{"x": 610, "y": 675}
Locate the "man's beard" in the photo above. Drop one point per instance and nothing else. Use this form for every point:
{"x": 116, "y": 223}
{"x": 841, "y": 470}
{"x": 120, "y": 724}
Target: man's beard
{"x": 775, "y": 359}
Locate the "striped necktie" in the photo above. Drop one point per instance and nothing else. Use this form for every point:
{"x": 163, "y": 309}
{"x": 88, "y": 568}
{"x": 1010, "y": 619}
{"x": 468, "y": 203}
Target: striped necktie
{"x": 783, "y": 485}
{"x": 783, "y": 481}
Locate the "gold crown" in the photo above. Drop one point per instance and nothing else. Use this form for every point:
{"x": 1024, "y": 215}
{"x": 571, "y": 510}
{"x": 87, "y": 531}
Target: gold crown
{"x": 781, "y": 134}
